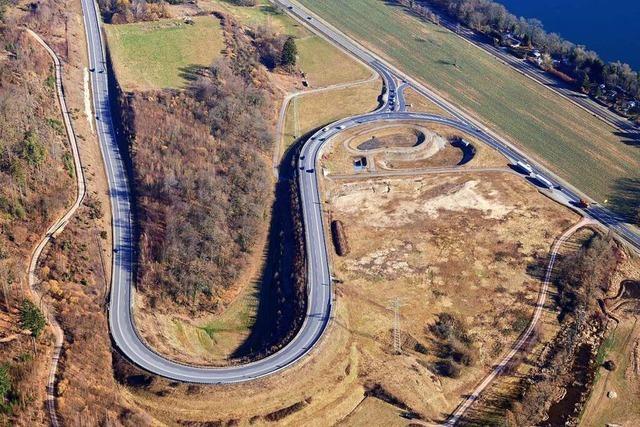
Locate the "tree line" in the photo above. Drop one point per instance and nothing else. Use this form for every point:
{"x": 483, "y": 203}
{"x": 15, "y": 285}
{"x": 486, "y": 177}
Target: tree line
{"x": 582, "y": 279}
{"x": 487, "y": 16}
{"x": 128, "y": 11}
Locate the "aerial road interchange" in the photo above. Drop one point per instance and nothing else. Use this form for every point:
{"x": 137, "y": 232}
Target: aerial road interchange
{"x": 320, "y": 292}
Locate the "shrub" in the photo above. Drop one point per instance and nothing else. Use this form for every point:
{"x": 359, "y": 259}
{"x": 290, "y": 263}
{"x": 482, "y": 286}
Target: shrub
{"x": 521, "y": 321}
{"x": 448, "y": 326}
{"x": 56, "y": 125}
{"x": 420, "y": 348}
{"x": 95, "y": 207}
{"x": 32, "y": 318}
{"x": 447, "y": 368}
{"x": 32, "y": 150}
{"x": 5, "y": 382}
{"x": 248, "y": 3}
{"x": 67, "y": 161}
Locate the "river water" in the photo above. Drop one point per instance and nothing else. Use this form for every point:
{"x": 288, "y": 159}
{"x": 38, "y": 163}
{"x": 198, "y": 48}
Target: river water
{"x": 610, "y": 27}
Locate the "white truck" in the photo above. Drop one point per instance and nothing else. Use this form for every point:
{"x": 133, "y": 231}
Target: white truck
{"x": 544, "y": 181}
{"x": 525, "y": 167}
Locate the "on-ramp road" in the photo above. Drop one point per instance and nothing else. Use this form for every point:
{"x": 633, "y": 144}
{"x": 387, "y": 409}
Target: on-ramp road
{"x": 319, "y": 286}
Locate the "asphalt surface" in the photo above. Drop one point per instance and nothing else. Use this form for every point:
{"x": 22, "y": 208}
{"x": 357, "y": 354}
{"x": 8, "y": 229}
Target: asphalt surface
{"x": 123, "y": 330}
{"x": 319, "y": 287}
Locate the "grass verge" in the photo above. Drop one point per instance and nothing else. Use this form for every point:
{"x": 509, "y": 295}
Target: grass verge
{"x": 324, "y": 64}
{"x": 308, "y": 112}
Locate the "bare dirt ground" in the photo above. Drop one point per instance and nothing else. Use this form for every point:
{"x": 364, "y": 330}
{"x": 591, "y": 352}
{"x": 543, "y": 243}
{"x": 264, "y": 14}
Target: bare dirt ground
{"x": 459, "y": 244}
{"x": 338, "y": 157}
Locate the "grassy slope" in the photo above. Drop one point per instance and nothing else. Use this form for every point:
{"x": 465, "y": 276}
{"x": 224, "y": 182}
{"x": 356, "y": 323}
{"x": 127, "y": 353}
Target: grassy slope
{"x": 575, "y": 145}
{"x": 326, "y": 65}
{"x": 262, "y": 14}
{"x": 600, "y": 409}
{"x": 322, "y": 63}
{"x": 153, "y": 55}
{"x": 317, "y": 109}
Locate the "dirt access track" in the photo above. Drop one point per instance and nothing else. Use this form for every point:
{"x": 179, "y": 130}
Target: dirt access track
{"x": 460, "y": 243}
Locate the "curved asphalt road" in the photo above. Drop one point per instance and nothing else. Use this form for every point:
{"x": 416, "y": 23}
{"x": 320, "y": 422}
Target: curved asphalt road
{"x": 319, "y": 286}
{"x": 123, "y": 330}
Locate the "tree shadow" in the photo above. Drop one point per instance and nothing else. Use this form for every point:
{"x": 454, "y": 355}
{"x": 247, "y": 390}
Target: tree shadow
{"x": 278, "y": 314}
{"x": 190, "y": 73}
{"x": 629, "y": 137}
{"x": 625, "y": 198}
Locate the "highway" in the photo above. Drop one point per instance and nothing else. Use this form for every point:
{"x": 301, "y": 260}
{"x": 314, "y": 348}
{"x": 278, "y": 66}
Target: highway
{"x": 319, "y": 286}
{"x": 122, "y": 328}
{"x": 561, "y": 191}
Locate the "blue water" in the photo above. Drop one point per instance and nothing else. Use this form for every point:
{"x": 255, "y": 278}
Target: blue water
{"x": 610, "y": 27}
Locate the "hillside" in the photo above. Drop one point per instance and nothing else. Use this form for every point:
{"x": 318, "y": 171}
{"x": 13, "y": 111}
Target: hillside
{"x": 35, "y": 185}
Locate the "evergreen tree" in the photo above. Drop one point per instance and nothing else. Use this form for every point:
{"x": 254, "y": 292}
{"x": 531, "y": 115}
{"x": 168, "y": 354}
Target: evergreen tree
{"x": 32, "y": 318}
{"x": 289, "y": 53}
{"x": 586, "y": 83}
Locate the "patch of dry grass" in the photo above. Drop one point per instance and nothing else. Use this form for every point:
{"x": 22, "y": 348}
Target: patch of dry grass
{"x": 477, "y": 244}
{"x": 314, "y": 110}
{"x": 418, "y": 103}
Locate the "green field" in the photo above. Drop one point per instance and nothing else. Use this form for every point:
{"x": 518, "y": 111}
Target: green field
{"x": 161, "y": 54}
{"x": 578, "y": 147}
{"x": 324, "y": 64}
{"x": 308, "y": 112}
{"x": 264, "y": 13}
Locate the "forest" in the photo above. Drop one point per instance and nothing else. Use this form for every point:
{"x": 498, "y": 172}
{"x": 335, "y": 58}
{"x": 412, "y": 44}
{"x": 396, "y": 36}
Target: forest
{"x": 200, "y": 177}
{"x": 34, "y": 187}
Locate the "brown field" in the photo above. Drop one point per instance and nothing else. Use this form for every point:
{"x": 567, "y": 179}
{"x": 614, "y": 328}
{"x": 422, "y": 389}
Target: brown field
{"x": 337, "y": 157}
{"x": 425, "y": 231}
{"x": 489, "y": 408}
